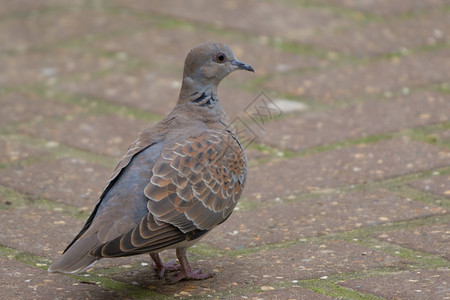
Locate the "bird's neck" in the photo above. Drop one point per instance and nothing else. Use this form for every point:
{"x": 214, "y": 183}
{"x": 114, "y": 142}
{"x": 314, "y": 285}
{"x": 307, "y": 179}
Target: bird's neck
{"x": 197, "y": 92}
{"x": 200, "y": 102}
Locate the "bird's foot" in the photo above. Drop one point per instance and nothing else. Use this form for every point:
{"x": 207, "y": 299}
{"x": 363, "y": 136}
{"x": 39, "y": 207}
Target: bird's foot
{"x": 168, "y": 266}
{"x": 196, "y": 275}
{"x": 186, "y": 272}
{"x": 161, "y": 267}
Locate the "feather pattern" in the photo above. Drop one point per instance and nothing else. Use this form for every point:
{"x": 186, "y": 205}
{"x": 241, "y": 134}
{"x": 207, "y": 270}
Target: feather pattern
{"x": 181, "y": 201}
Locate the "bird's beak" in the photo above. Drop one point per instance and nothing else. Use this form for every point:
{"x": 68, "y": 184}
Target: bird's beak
{"x": 242, "y": 66}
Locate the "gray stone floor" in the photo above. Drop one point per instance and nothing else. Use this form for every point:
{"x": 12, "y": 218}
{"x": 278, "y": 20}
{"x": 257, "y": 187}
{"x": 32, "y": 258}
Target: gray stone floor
{"x": 346, "y": 123}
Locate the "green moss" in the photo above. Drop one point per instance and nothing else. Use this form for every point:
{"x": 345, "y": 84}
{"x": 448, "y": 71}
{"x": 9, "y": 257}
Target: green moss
{"x": 96, "y": 105}
{"x": 7, "y": 252}
{"x": 62, "y": 151}
{"x": 25, "y": 257}
{"x": 247, "y": 204}
{"x": 12, "y": 198}
{"x": 129, "y": 290}
{"x": 274, "y": 152}
{"x": 417, "y": 195}
{"x": 304, "y": 50}
{"x": 363, "y": 233}
{"x": 45, "y": 10}
{"x": 443, "y": 88}
{"x": 346, "y": 143}
{"x": 24, "y": 162}
{"x": 428, "y": 134}
{"x": 236, "y": 291}
{"x": 417, "y": 259}
{"x": 249, "y": 250}
{"x": 108, "y": 283}
{"x": 16, "y": 199}
{"x": 204, "y": 250}
{"x": 328, "y": 288}
{"x": 59, "y": 151}
{"x": 63, "y": 208}
{"x": 398, "y": 182}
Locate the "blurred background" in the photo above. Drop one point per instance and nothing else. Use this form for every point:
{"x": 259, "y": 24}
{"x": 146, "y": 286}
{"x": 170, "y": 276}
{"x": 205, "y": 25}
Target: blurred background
{"x": 347, "y": 94}
{"x": 118, "y": 64}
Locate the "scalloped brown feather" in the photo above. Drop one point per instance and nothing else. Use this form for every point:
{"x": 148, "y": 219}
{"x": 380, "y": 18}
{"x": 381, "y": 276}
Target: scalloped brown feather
{"x": 174, "y": 198}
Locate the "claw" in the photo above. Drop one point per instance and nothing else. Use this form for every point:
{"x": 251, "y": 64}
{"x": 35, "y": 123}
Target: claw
{"x": 186, "y": 271}
{"x": 163, "y": 267}
{"x": 196, "y": 275}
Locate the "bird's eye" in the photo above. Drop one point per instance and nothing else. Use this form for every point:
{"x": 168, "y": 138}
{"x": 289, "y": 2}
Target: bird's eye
{"x": 221, "y": 58}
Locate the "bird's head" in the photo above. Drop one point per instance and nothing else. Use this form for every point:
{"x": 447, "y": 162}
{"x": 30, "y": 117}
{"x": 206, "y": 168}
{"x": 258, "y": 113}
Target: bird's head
{"x": 208, "y": 63}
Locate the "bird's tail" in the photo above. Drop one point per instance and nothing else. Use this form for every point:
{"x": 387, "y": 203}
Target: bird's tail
{"x": 76, "y": 258}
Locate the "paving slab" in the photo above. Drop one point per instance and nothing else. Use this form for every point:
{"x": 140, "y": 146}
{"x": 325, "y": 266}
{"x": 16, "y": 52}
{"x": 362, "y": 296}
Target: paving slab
{"x": 39, "y": 29}
{"x": 422, "y": 284}
{"x": 294, "y": 293}
{"x": 288, "y": 21}
{"x": 46, "y": 233}
{"x": 21, "y": 281}
{"x": 105, "y": 134}
{"x": 50, "y": 67}
{"x": 387, "y": 7}
{"x": 12, "y": 150}
{"x": 342, "y": 167}
{"x": 428, "y": 238}
{"x": 253, "y": 155}
{"x": 267, "y": 267}
{"x": 37, "y": 231}
{"x": 170, "y": 46}
{"x": 152, "y": 90}
{"x": 314, "y": 128}
{"x": 9, "y": 8}
{"x": 443, "y": 136}
{"x": 22, "y": 107}
{"x": 70, "y": 181}
{"x": 395, "y": 35}
{"x": 84, "y": 48}
{"x": 380, "y": 77}
{"x": 438, "y": 185}
{"x": 336, "y": 212}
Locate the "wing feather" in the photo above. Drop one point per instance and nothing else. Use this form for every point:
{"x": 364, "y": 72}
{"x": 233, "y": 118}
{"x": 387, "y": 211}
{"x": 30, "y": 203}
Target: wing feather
{"x": 206, "y": 172}
{"x": 194, "y": 186}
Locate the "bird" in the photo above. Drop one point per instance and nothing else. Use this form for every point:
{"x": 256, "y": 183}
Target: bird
{"x": 179, "y": 180}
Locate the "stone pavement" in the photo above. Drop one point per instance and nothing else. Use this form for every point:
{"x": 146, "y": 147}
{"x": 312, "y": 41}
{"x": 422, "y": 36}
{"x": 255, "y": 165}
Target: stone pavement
{"x": 348, "y": 145}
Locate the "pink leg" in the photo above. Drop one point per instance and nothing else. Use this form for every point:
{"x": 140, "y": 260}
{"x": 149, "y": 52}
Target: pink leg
{"x": 186, "y": 271}
{"x": 162, "y": 267}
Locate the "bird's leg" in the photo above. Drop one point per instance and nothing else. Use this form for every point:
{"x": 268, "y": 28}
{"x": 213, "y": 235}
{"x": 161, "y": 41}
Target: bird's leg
{"x": 186, "y": 271}
{"x": 162, "y": 267}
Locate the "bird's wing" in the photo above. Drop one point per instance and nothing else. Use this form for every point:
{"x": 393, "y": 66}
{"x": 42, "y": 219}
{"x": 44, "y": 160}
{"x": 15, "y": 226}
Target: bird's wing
{"x": 144, "y": 141}
{"x": 120, "y": 208}
{"x": 195, "y": 186}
